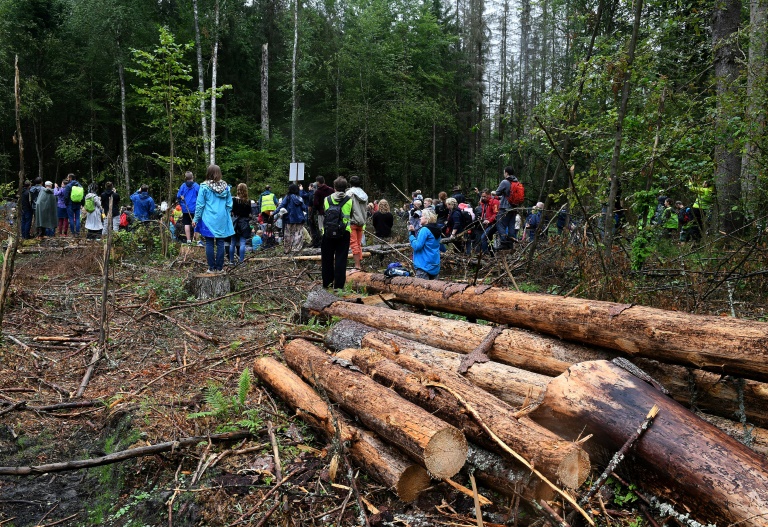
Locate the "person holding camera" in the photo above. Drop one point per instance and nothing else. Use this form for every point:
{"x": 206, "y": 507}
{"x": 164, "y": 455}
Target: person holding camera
{"x": 414, "y": 215}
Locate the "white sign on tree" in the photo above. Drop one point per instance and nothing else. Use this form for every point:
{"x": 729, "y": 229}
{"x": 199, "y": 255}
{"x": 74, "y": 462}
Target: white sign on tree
{"x": 297, "y": 172}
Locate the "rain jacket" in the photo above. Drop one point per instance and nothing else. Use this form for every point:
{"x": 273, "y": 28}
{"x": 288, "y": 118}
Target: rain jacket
{"x": 426, "y": 249}
{"x": 295, "y": 207}
{"x": 359, "y": 205}
{"x": 143, "y": 206}
{"x": 214, "y": 205}
{"x": 187, "y": 196}
{"x": 45, "y": 213}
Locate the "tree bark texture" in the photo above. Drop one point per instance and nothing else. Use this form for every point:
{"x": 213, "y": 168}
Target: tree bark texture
{"x": 718, "y": 344}
{"x": 681, "y": 457}
{"x": 382, "y": 462}
{"x": 265, "y": 91}
{"x": 201, "y": 83}
{"x": 440, "y": 447}
{"x": 205, "y": 286}
{"x": 519, "y": 348}
{"x": 124, "y": 128}
{"x": 214, "y": 74}
{"x": 557, "y": 459}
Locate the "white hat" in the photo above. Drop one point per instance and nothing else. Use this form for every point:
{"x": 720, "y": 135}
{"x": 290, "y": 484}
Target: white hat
{"x": 48, "y": 184}
{"x": 539, "y": 206}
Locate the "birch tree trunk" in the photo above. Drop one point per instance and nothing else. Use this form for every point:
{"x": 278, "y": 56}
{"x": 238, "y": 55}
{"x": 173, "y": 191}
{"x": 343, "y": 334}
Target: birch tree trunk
{"x": 214, "y": 71}
{"x": 293, "y": 78}
{"x": 265, "y": 91}
{"x": 201, "y": 82}
{"x": 124, "y": 126}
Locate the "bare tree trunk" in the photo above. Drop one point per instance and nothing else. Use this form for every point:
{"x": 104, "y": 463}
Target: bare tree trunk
{"x": 201, "y": 82}
{"x": 504, "y": 80}
{"x": 124, "y": 126}
{"x": 214, "y": 71}
{"x": 293, "y": 78}
{"x": 756, "y": 79}
{"x": 13, "y": 243}
{"x": 725, "y": 26}
{"x": 609, "y": 223}
{"x": 37, "y": 133}
{"x": 265, "y": 91}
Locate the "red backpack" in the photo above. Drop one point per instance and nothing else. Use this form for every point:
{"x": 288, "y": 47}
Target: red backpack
{"x": 516, "y": 194}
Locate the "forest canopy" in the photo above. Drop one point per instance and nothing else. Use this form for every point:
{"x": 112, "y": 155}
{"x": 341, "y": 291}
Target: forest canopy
{"x": 585, "y": 99}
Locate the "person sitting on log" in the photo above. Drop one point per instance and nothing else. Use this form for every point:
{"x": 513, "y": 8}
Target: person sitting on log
{"x": 426, "y": 246}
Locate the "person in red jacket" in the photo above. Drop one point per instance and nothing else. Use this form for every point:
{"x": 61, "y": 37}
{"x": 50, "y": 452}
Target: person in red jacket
{"x": 489, "y": 209}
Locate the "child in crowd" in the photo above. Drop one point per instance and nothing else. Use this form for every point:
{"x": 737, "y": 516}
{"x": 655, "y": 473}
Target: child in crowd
{"x": 257, "y": 241}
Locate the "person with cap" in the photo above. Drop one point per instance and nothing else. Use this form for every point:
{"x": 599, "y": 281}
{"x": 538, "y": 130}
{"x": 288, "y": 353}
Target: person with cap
{"x": 267, "y": 201}
{"x": 533, "y": 221}
{"x": 187, "y": 197}
{"x": 26, "y": 211}
{"x": 458, "y": 195}
{"x": 45, "y": 211}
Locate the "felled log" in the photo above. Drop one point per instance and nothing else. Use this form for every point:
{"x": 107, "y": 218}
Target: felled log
{"x": 506, "y": 476}
{"x": 209, "y": 285}
{"x": 557, "y": 459}
{"x": 754, "y": 437}
{"x": 517, "y": 347}
{"x": 718, "y": 344}
{"x": 379, "y": 460}
{"x": 512, "y": 385}
{"x": 681, "y": 457}
{"x": 440, "y": 447}
{"x": 545, "y": 355}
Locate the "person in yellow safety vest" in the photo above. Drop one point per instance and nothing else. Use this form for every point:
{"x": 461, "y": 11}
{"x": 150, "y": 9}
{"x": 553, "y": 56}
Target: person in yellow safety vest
{"x": 267, "y": 201}
{"x": 702, "y": 206}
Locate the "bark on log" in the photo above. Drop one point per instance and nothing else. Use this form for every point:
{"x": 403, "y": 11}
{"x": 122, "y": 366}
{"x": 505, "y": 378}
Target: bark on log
{"x": 379, "y": 460}
{"x": 548, "y": 356}
{"x": 205, "y": 286}
{"x": 439, "y": 446}
{"x": 557, "y": 459}
{"x": 718, "y": 344}
{"x": 523, "y": 349}
{"x": 506, "y": 476}
{"x": 683, "y": 458}
{"x": 754, "y": 437}
{"x": 512, "y": 385}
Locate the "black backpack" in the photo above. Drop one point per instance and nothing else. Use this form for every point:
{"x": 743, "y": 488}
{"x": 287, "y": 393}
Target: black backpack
{"x": 333, "y": 222}
{"x": 466, "y": 220}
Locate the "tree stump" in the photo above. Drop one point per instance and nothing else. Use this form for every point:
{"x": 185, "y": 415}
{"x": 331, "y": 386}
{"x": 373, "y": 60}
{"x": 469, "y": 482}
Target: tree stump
{"x": 205, "y": 286}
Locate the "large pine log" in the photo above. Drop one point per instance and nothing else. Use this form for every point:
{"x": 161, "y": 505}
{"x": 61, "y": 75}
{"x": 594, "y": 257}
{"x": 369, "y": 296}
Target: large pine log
{"x": 555, "y": 458}
{"x": 718, "y": 344}
{"x": 512, "y": 385}
{"x": 517, "y": 347}
{"x": 681, "y": 457}
{"x": 380, "y": 461}
{"x": 440, "y": 447}
{"x": 546, "y": 355}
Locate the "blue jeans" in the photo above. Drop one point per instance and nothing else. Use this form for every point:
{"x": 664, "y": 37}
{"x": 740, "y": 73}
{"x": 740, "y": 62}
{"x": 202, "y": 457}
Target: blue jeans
{"x": 215, "y": 263}
{"x": 237, "y": 241}
{"x": 73, "y": 212}
{"x": 503, "y": 221}
{"x": 26, "y": 224}
{"x": 488, "y": 233}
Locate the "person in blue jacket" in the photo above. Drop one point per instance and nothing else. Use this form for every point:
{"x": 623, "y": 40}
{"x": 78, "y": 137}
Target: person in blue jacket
{"x": 214, "y": 205}
{"x": 426, "y": 246}
{"x": 143, "y": 204}
{"x": 187, "y": 197}
{"x": 294, "y": 217}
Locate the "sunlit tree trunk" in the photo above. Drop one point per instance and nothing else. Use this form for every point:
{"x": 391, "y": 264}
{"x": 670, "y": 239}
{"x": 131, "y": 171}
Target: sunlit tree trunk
{"x": 124, "y": 126}
{"x": 756, "y": 93}
{"x": 293, "y": 78}
{"x": 265, "y": 91}
{"x": 201, "y": 82}
{"x": 214, "y": 72}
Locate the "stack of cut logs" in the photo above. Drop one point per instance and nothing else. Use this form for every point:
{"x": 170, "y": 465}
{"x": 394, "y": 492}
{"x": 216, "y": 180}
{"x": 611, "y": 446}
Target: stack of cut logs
{"x": 541, "y": 398}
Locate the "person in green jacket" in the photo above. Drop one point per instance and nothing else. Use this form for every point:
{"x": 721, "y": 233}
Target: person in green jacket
{"x": 669, "y": 222}
{"x": 334, "y": 247}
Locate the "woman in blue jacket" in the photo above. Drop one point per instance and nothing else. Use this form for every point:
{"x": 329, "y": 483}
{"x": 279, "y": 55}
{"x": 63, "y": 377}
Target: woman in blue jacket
{"x": 214, "y": 204}
{"x": 294, "y": 218}
{"x": 426, "y": 246}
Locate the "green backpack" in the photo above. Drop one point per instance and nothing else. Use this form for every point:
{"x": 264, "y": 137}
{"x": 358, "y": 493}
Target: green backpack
{"x": 76, "y": 194}
{"x": 90, "y": 205}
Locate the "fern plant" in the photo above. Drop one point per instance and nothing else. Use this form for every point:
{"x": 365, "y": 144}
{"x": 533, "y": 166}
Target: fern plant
{"x": 228, "y": 409}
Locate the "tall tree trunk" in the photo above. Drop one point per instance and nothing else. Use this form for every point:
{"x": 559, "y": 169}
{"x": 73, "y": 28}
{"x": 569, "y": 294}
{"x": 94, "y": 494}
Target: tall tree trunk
{"x": 214, "y": 72}
{"x": 201, "y": 83}
{"x": 265, "y": 91}
{"x": 618, "y": 136}
{"x": 756, "y": 79}
{"x": 124, "y": 126}
{"x": 37, "y": 133}
{"x": 293, "y": 78}
{"x": 725, "y": 25}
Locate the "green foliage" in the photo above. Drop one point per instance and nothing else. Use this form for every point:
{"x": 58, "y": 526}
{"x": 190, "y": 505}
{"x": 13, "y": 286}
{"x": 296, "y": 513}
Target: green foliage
{"x": 644, "y": 244}
{"x": 230, "y": 412}
{"x": 622, "y": 495}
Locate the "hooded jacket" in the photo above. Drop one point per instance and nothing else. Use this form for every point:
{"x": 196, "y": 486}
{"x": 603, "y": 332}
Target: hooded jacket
{"x": 359, "y": 205}
{"x": 93, "y": 219}
{"x": 45, "y": 213}
{"x": 214, "y": 205}
{"x": 143, "y": 205}
{"x": 346, "y": 209}
{"x": 187, "y": 196}
{"x": 295, "y": 207}
{"x": 426, "y": 249}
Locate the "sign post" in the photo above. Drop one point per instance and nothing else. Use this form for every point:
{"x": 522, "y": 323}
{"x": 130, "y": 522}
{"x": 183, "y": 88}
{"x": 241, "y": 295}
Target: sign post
{"x": 297, "y": 172}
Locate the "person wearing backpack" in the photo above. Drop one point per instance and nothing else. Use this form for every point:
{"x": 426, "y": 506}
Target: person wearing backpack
{"x": 73, "y": 196}
{"x": 336, "y": 230}
{"x": 689, "y": 227}
{"x": 455, "y": 223}
{"x": 357, "y": 219}
{"x": 294, "y": 218}
{"x": 93, "y": 210}
{"x": 187, "y": 197}
{"x": 511, "y": 194}
{"x": 668, "y": 220}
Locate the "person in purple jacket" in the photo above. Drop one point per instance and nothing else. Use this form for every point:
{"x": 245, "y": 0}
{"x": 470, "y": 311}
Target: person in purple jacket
{"x": 61, "y": 207}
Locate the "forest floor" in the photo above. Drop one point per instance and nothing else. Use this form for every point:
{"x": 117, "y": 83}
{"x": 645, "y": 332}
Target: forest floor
{"x": 175, "y": 369}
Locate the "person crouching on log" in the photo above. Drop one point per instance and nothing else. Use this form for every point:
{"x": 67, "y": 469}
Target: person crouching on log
{"x": 426, "y": 246}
